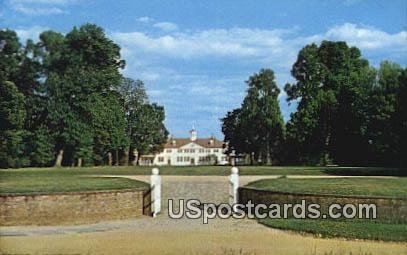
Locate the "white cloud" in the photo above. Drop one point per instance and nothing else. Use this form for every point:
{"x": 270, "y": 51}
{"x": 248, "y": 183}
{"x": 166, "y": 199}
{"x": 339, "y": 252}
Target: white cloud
{"x": 145, "y": 19}
{"x": 41, "y": 7}
{"x": 30, "y": 33}
{"x": 367, "y": 38}
{"x": 178, "y": 63}
{"x": 244, "y": 42}
{"x": 37, "y": 11}
{"x": 54, "y": 2}
{"x": 166, "y": 26}
{"x": 221, "y": 42}
{"x": 149, "y": 76}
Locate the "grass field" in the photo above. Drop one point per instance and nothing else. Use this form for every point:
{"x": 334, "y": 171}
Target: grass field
{"x": 387, "y": 230}
{"x": 55, "y": 183}
{"x": 218, "y": 170}
{"x": 73, "y": 179}
{"x": 382, "y": 187}
{"x": 353, "y": 229}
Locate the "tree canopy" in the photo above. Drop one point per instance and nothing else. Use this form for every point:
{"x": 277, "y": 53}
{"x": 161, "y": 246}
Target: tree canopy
{"x": 257, "y": 128}
{"x": 348, "y": 113}
{"x": 65, "y": 102}
{"x": 63, "y": 96}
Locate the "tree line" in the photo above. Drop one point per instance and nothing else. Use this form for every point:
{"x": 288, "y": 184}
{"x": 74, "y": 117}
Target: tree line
{"x": 64, "y": 102}
{"x": 348, "y": 112}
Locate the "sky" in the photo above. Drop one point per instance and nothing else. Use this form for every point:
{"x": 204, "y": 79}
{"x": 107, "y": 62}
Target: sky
{"x": 195, "y": 56}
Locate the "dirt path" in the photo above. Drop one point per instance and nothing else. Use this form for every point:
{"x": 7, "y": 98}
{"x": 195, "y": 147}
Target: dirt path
{"x": 163, "y": 235}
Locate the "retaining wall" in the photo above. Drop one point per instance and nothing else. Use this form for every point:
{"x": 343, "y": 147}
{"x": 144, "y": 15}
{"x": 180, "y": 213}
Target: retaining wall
{"x": 387, "y": 208}
{"x": 73, "y": 207}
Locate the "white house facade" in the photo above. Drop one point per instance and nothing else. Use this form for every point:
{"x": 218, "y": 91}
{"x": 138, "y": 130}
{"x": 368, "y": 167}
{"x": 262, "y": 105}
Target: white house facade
{"x": 188, "y": 152}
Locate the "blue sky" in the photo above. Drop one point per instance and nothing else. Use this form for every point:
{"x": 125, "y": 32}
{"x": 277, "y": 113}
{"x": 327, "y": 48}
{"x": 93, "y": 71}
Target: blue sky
{"x": 194, "y": 56}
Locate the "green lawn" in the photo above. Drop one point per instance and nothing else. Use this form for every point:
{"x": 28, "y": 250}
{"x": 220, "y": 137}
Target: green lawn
{"x": 219, "y": 170}
{"x": 386, "y": 187}
{"x": 387, "y": 230}
{"x": 55, "y": 183}
{"x": 359, "y": 229}
{"x": 72, "y": 179}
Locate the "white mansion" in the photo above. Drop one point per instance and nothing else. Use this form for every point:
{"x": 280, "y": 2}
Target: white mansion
{"x": 188, "y": 151}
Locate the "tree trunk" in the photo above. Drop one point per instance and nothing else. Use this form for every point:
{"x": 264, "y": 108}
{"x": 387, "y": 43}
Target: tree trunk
{"x": 109, "y": 159}
{"x": 60, "y": 156}
{"x": 138, "y": 158}
{"x": 126, "y": 156}
{"x": 260, "y": 158}
{"x": 79, "y": 162}
{"x": 268, "y": 155}
{"x": 327, "y": 156}
{"x": 135, "y": 160}
{"x": 117, "y": 157}
{"x": 268, "y": 161}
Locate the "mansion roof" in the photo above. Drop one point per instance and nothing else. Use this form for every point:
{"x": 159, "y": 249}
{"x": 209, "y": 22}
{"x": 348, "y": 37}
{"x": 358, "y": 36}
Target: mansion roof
{"x": 204, "y": 142}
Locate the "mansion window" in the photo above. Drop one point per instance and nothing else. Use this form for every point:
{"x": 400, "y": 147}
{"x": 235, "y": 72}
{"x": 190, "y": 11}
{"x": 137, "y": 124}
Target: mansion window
{"x": 169, "y": 150}
{"x": 215, "y": 150}
{"x": 201, "y": 150}
{"x": 204, "y": 159}
{"x": 179, "y": 150}
{"x": 160, "y": 159}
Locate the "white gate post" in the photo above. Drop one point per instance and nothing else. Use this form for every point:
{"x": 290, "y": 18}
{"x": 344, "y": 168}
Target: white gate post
{"x": 234, "y": 185}
{"x": 155, "y": 184}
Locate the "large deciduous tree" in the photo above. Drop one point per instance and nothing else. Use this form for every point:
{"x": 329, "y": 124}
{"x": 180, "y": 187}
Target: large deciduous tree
{"x": 18, "y": 79}
{"x": 257, "y": 128}
{"x": 81, "y": 68}
{"x": 12, "y": 116}
{"x": 387, "y": 119}
{"x": 144, "y": 121}
{"x": 332, "y": 87}
{"x": 78, "y": 108}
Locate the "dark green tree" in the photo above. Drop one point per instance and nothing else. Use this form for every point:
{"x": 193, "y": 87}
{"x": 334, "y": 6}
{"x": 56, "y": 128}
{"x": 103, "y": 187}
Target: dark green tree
{"x": 109, "y": 126}
{"x": 148, "y": 131}
{"x": 10, "y": 55}
{"x": 387, "y": 124}
{"x": 41, "y": 146}
{"x": 12, "y": 116}
{"x": 144, "y": 121}
{"x": 134, "y": 96}
{"x": 81, "y": 67}
{"x": 233, "y": 131}
{"x": 257, "y": 128}
{"x": 332, "y": 87}
{"x": 78, "y": 106}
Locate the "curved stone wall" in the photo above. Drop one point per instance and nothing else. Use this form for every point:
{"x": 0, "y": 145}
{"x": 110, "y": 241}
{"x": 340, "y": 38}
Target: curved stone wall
{"x": 73, "y": 207}
{"x": 387, "y": 208}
